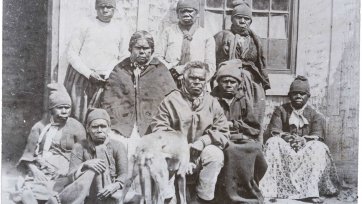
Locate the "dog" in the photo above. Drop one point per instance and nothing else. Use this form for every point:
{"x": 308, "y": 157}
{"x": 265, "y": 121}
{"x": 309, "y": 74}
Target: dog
{"x": 158, "y": 157}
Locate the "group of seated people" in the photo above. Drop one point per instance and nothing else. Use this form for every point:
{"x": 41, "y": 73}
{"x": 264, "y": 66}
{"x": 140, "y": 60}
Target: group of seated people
{"x": 218, "y": 109}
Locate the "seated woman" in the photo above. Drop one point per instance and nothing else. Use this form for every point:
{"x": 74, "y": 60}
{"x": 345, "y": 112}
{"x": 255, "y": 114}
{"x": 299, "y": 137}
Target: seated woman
{"x": 300, "y": 165}
{"x": 47, "y": 152}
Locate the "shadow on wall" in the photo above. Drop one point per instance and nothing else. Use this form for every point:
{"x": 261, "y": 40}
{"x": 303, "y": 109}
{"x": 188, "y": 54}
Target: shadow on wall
{"x": 24, "y": 62}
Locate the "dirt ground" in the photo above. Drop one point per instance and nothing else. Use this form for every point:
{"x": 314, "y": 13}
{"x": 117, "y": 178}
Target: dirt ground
{"x": 348, "y": 194}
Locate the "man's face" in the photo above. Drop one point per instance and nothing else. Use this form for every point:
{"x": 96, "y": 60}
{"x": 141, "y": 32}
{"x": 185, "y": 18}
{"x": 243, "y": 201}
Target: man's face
{"x": 298, "y": 99}
{"x": 141, "y": 52}
{"x": 242, "y": 22}
{"x": 187, "y": 16}
{"x": 98, "y": 130}
{"x": 195, "y": 81}
{"x": 60, "y": 113}
{"x": 105, "y": 12}
{"x": 228, "y": 86}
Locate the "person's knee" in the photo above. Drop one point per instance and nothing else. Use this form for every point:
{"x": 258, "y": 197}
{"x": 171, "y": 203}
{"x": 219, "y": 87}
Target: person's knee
{"x": 274, "y": 141}
{"x": 212, "y": 153}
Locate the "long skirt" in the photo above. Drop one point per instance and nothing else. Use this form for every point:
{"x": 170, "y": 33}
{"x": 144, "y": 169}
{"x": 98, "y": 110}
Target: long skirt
{"x": 309, "y": 172}
{"x": 244, "y": 167}
{"x": 255, "y": 93}
{"x": 81, "y": 92}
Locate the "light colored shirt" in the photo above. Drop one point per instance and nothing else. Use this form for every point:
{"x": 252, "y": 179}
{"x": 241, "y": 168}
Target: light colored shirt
{"x": 98, "y": 46}
{"x": 202, "y": 48}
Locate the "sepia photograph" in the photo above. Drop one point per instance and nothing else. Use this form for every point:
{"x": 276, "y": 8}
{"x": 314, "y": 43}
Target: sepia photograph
{"x": 180, "y": 101}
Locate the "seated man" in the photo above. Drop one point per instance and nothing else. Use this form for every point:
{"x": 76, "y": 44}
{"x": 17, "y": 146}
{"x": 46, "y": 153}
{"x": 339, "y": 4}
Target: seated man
{"x": 199, "y": 117}
{"x": 98, "y": 166}
{"x": 47, "y": 152}
{"x": 244, "y": 161}
{"x": 300, "y": 164}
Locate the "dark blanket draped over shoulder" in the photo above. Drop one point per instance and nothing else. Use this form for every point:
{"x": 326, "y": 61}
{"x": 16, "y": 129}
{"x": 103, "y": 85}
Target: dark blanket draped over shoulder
{"x": 120, "y": 99}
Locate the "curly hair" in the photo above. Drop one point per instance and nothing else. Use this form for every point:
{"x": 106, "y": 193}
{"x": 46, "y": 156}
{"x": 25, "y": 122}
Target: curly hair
{"x": 196, "y": 65}
{"x": 139, "y": 35}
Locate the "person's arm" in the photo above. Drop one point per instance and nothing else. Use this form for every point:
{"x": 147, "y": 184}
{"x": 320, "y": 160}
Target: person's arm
{"x": 316, "y": 128}
{"x": 248, "y": 125}
{"x": 162, "y": 120}
{"x": 161, "y": 49}
{"x": 74, "y": 49}
{"x": 275, "y": 126}
{"x": 218, "y": 133}
{"x": 29, "y": 151}
{"x": 121, "y": 164}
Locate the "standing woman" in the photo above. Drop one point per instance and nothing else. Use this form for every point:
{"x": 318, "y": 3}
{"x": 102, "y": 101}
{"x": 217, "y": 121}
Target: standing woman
{"x": 240, "y": 42}
{"x": 95, "y": 48}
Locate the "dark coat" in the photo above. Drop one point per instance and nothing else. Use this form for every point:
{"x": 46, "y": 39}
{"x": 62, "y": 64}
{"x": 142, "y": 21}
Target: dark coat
{"x": 280, "y": 122}
{"x": 127, "y": 105}
{"x": 253, "y": 60}
{"x": 116, "y": 157}
{"x": 73, "y": 132}
{"x": 240, "y": 113}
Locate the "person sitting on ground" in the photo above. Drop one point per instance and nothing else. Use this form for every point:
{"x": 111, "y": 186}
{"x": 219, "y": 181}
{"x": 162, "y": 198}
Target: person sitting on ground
{"x": 244, "y": 158}
{"x": 199, "y": 117}
{"x": 48, "y": 149}
{"x": 98, "y": 165}
{"x": 300, "y": 163}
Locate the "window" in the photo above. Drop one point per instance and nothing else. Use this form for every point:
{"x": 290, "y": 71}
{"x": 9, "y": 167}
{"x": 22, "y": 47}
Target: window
{"x": 274, "y": 21}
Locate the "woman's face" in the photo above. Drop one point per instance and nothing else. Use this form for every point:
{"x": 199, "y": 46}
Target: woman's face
{"x": 298, "y": 99}
{"x": 141, "y": 52}
{"x": 242, "y": 22}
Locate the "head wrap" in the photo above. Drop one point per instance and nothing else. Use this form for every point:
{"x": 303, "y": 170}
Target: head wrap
{"x": 106, "y": 2}
{"x": 230, "y": 68}
{"x": 242, "y": 10}
{"x": 58, "y": 95}
{"x": 187, "y": 4}
{"x": 300, "y": 84}
{"x": 97, "y": 113}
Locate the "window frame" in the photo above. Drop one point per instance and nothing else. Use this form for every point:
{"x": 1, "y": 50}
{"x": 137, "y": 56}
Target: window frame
{"x": 292, "y": 28}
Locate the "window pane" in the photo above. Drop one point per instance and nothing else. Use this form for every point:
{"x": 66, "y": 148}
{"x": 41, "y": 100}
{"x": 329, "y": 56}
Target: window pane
{"x": 279, "y": 26}
{"x": 229, "y": 3}
{"x": 278, "y": 53}
{"x": 213, "y": 22}
{"x": 227, "y": 21}
{"x": 260, "y": 25}
{"x": 215, "y": 3}
{"x": 261, "y": 4}
{"x": 280, "y": 5}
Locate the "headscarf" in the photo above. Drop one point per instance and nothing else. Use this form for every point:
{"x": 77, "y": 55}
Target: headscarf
{"x": 58, "y": 95}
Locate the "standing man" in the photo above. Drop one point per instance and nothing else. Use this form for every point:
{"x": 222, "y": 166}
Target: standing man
{"x": 244, "y": 161}
{"x": 94, "y": 49}
{"x": 186, "y": 41}
{"x": 240, "y": 42}
{"x": 98, "y": 166}
{"x": 199, "y": 117}
{"x": 46, "y": 156}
